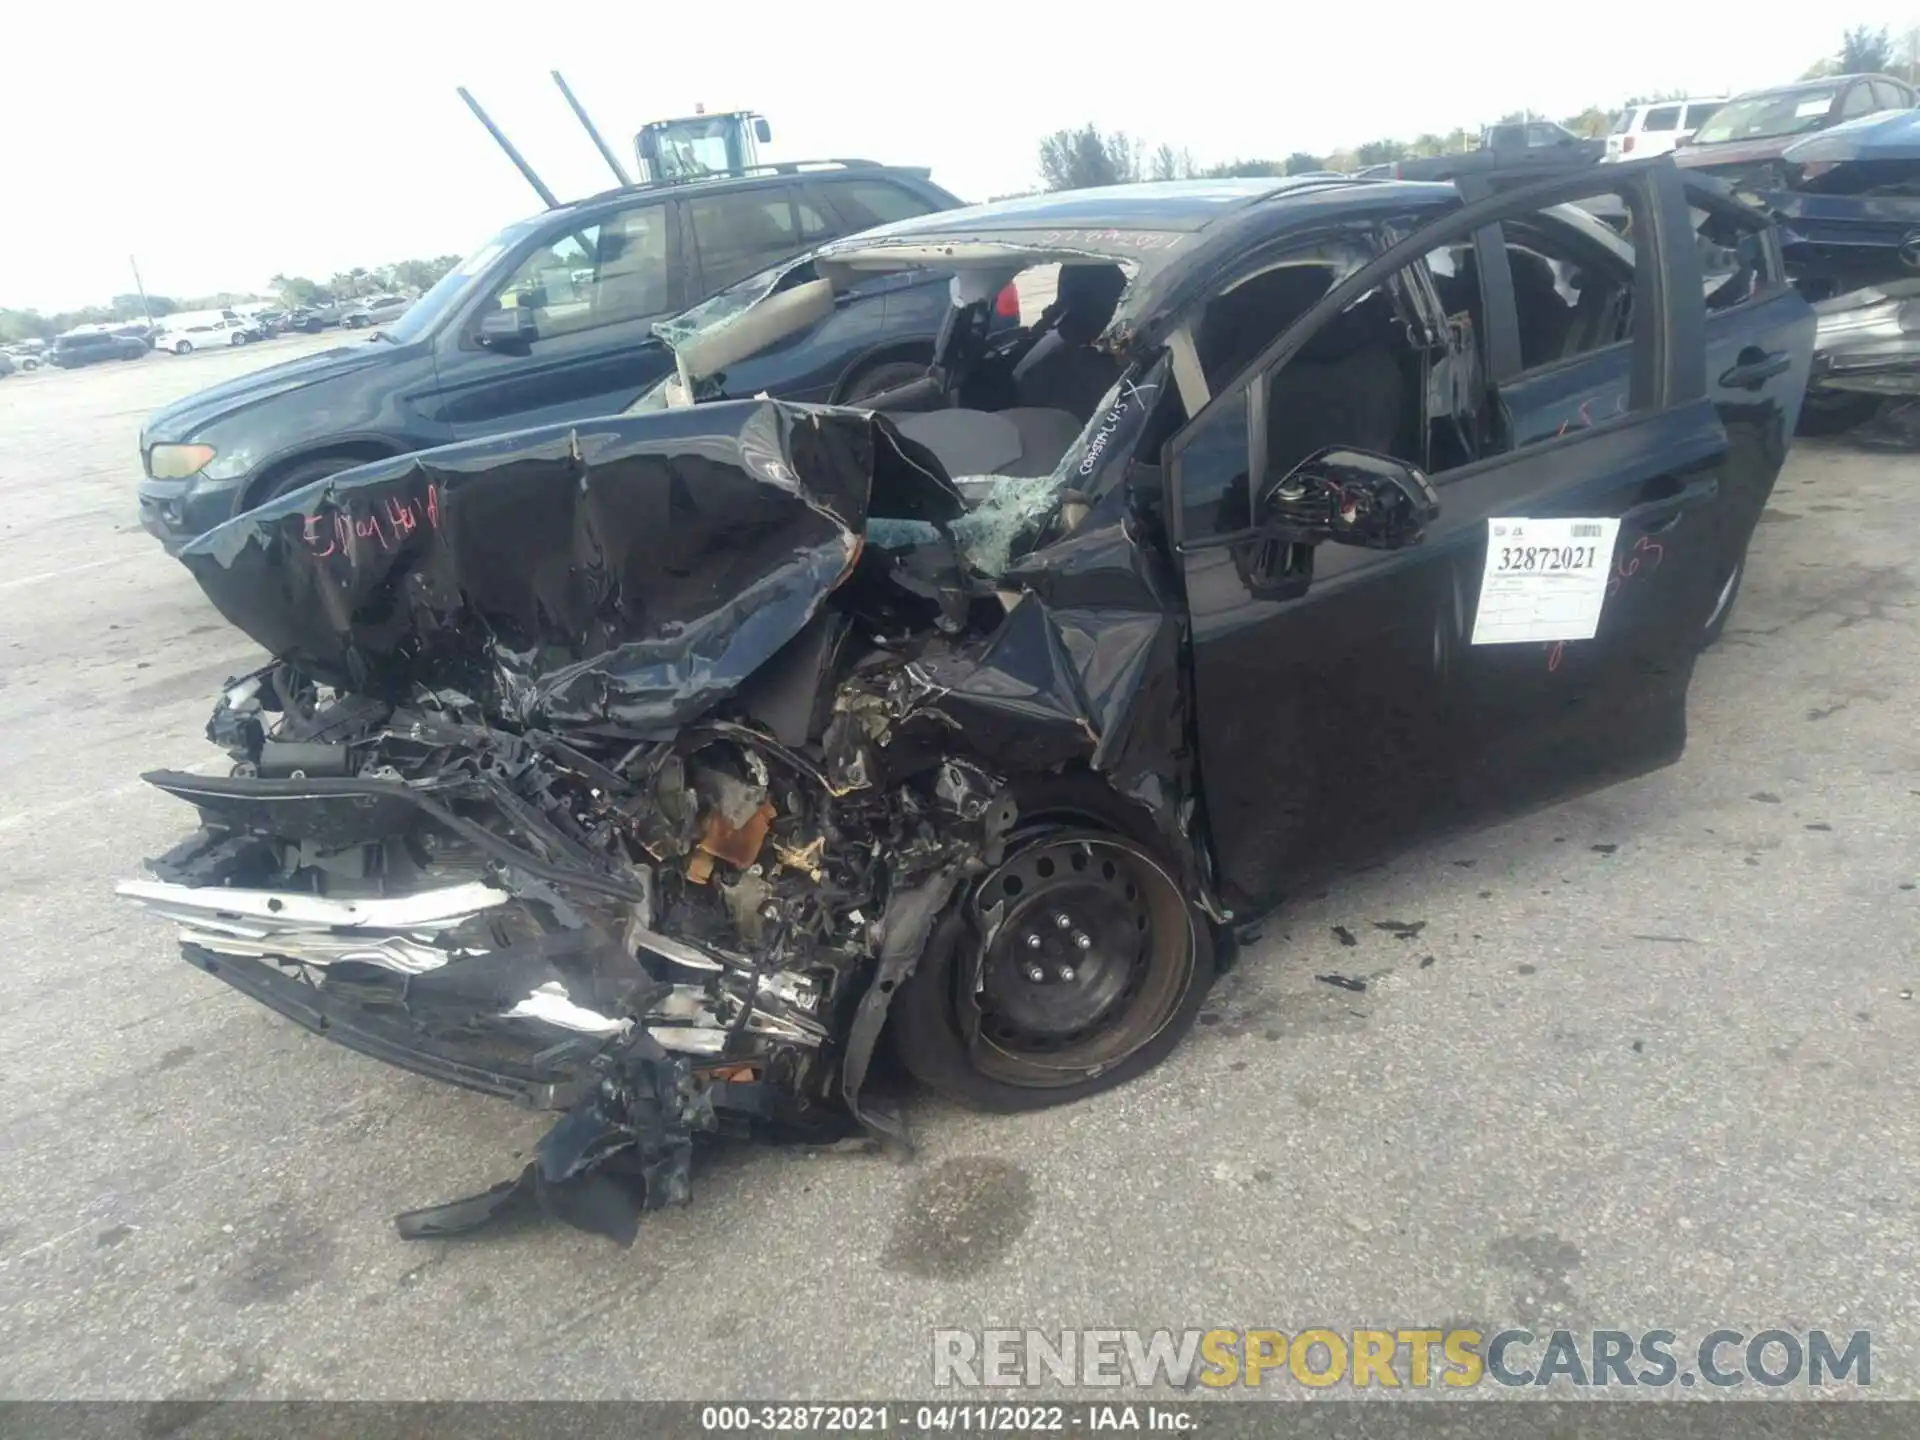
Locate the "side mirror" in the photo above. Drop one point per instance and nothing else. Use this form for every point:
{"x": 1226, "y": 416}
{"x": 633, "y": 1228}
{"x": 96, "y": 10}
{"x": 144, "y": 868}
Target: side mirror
{"x": 1352, "y": 497}
{"x": 762, "y": 131}
{"x": 509, "y": 330}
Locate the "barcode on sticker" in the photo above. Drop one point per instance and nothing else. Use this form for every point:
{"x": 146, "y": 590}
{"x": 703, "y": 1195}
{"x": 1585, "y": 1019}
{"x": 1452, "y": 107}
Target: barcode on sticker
{"x": 1586, "y": 532}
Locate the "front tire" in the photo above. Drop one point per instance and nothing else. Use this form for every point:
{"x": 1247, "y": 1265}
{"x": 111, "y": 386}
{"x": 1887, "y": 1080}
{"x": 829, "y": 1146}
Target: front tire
{"x": 183, "y": 347}
{"x": 1073, "y": 967}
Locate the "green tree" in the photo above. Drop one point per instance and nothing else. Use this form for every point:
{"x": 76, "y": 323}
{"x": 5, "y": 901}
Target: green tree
{"x": 1301, "y": 163}
{"x": 421, "y": 274}
{"x": 1378, "y": 152}
{"x": 1245, "y": 169}
{"x": 1083, "y": 158}
{"x": 17, "y": 325}
{"x": 295, "y": 290}
{"x": 1590, "y": 124}
{"x": 1865, "y": 51}
{"x": 1171, "y": 164}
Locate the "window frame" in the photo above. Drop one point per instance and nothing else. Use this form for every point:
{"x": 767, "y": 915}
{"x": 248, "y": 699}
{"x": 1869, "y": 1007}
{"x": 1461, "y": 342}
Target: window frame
{"x": 761, "y": 195}
{"x": 841, "y": 185}
{"x": 1667, "y": 366}
{"x": 506, "y": 267}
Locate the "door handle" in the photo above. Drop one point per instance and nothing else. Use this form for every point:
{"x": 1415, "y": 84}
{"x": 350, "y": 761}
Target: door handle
{"x": 1658, "y": 514}
{"x": 1755, "y": 367}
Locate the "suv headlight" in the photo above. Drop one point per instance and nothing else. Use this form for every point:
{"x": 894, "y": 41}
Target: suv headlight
{"x": 178, "y": 462}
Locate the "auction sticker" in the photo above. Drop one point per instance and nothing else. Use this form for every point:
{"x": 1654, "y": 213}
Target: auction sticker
{"x": 1545, "y": 579}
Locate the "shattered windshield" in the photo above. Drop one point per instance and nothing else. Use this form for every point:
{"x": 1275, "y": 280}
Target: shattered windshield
{"x": 1762, "y": 117}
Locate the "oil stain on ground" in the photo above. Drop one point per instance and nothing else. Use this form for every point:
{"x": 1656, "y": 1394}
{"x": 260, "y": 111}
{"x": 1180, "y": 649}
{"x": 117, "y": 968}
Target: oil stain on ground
{"x": 961, "y": 1216}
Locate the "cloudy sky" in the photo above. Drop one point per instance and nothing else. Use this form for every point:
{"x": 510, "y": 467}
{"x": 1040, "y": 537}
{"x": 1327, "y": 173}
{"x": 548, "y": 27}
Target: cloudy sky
{"x": 221, "y": 143}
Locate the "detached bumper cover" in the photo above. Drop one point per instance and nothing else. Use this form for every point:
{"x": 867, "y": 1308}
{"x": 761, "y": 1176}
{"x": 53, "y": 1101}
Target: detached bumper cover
{"x": 1869, "y": 340}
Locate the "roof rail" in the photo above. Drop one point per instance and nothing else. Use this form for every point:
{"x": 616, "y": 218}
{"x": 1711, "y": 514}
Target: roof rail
{"x": 781, "y": 167}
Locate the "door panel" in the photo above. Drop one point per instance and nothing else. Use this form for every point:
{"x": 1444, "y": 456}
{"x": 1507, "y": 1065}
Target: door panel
{"x": 1350, "y": 711}
{"x": 593, "y": 292}
{"x": 568, "y": 377}
{"x": 1759, "y": 341}
{"x": 1537, "y": 721}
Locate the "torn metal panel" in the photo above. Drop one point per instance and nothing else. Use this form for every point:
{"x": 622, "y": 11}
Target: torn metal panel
{"x": 624, "y": 575}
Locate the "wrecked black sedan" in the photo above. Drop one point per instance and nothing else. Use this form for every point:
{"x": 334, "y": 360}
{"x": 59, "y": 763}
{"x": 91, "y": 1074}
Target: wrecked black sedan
{"x": 657, "y": 770}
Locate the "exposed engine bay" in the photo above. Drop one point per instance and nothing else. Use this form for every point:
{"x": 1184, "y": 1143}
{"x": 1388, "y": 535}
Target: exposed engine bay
{"x": 616, "y": 770}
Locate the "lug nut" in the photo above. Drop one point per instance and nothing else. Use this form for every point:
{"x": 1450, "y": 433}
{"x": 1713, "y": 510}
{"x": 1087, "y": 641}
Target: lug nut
{"x": 1036, "y": 974}
{"x": 1065, "y": 972}
{"x": 1033, "y": 942}
{"x": 1060, "y": 920}
{"x": 1082, "y": 940}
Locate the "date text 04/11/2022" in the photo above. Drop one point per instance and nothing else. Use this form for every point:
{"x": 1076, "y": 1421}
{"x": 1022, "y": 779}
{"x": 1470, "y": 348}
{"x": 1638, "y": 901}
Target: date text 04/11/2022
{"x": 945, "y": 1418}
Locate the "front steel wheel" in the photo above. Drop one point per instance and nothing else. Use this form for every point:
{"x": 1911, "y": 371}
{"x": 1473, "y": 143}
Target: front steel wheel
{"x": 1074, "y": 966}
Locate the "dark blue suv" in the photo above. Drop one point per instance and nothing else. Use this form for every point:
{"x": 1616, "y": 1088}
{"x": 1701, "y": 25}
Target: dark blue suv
{"x": 550, "y": 321}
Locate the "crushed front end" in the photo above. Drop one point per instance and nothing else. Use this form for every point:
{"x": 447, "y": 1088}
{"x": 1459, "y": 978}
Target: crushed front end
{"x": 616, "y": 771}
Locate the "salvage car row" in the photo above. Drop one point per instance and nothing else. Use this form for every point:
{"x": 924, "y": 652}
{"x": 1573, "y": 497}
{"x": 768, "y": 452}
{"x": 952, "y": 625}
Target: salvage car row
{"x": 655, "y": 768}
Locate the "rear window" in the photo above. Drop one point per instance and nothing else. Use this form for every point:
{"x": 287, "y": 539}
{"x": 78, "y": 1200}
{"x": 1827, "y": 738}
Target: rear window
{"x": 867, "y": 203}
{"x": 1663, "y": 117}
{"x": 742, "y": 232}
{"x": 1625, "y": 122}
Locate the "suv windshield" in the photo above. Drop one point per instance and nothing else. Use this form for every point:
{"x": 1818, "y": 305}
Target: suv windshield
{"x": 424, "y": 314}
{"x": 1766, "y": 115}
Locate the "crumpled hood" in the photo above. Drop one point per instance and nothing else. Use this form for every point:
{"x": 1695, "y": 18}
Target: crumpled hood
{"x": 620, "y": 575}
{"x": 183, "y": 419}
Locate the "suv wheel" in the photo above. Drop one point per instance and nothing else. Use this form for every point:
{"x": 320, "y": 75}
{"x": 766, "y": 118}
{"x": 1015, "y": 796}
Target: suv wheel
{"x": 183, "y": 347}
{"x": 882, "y": 377}
{"x": 303, "y": 474}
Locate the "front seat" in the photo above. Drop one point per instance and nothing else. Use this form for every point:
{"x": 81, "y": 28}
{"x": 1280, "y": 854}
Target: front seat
{"x": 1024, "y": 442}
{"x": 1063, "y": 371}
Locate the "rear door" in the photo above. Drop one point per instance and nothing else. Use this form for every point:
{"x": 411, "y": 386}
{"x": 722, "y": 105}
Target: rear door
{"x": 592, "y": 290}
{"x": 1759, "y": 340}
{"x": 1349, "y": 707}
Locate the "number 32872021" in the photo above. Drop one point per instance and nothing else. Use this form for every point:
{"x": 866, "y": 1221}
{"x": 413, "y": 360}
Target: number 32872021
{"x": 1547, "y": 559}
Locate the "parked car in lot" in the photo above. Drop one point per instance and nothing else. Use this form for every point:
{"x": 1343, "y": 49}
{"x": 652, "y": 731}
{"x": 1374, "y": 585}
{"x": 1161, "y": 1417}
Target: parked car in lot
{"x": 1838, "y": 166}
{"x": 1518, "y": 146}
{"x": 512, "y": 338}
{"x": 1745, "y": 138}
{"x": 192, "y": 330}
{"x": 90, "y": 347}
{"x": 6, "y": 363}
{"x": 376, "y": 310}
{"x": 1849, "y": 214}
{"x": 305, "y": 319}
{"x": 716, "y": 741}
{"x": 24, "y": 358}
{"x": 1658, "y": 127}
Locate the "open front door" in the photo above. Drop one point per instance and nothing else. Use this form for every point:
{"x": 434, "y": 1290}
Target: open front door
{"x": 1541, "y": 638}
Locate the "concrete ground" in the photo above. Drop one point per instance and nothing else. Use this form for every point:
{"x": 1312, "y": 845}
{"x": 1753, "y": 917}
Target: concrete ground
{"x": 1658, "y": 1069}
